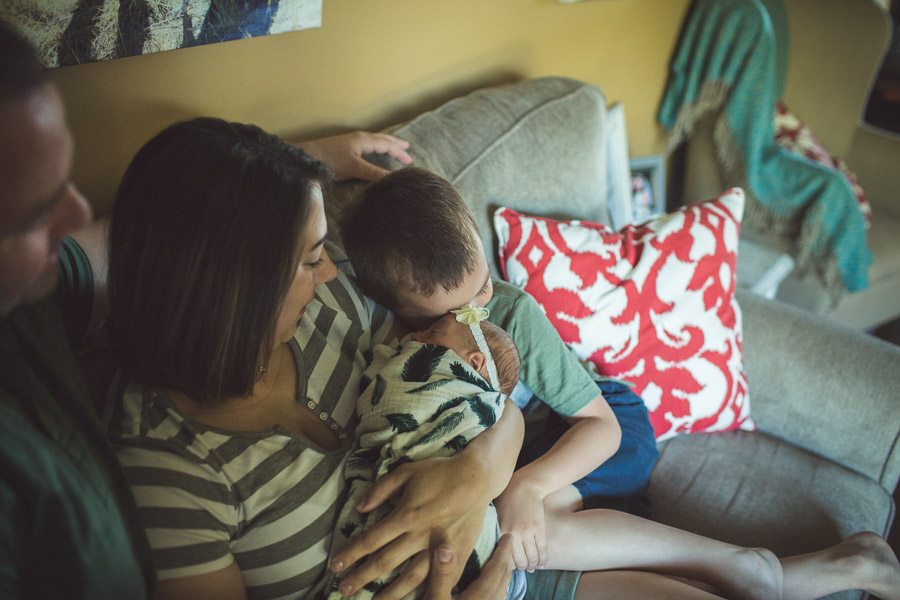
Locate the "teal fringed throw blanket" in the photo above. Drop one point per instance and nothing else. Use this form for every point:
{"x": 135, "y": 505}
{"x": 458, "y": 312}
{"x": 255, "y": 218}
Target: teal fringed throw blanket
{"x": 420, "y": 401}
{"x": 727, "y": 62}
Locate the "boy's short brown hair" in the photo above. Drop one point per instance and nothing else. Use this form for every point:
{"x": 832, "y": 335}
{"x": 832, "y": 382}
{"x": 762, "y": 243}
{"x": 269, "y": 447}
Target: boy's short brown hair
{"x": 393, "y": 248}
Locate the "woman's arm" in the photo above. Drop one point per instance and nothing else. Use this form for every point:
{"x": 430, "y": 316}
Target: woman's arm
{"x": 439, "y": 498}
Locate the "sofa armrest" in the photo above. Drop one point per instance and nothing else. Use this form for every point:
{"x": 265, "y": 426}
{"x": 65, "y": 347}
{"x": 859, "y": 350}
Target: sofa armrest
{"x": 826, "y": 388}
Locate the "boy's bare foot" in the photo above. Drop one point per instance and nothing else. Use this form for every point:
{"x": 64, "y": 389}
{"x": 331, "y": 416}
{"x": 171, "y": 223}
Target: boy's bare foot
{"x": 867, "y": 558}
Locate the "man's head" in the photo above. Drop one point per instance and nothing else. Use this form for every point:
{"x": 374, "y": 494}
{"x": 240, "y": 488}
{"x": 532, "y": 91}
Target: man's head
{"x": 415, "y": 247}
{"x": 39, "y": 206}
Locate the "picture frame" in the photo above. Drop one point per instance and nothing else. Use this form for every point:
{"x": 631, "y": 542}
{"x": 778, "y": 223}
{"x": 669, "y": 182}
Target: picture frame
{"x": 648, "y": 186}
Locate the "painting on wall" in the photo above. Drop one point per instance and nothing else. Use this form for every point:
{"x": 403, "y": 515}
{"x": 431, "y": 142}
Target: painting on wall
{"x": 69, "y": 32}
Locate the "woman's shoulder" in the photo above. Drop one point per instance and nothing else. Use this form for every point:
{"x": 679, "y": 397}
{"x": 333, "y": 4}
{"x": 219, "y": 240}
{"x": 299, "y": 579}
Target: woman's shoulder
{"x": 147, "y": 425}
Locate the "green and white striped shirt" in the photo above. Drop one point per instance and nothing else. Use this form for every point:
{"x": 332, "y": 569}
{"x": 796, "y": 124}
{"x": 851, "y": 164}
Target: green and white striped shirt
{"x": 267, "y": 500}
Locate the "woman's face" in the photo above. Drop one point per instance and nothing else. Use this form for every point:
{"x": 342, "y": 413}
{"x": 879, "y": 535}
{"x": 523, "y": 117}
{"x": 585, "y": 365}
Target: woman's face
{"x": 315, "y": 267}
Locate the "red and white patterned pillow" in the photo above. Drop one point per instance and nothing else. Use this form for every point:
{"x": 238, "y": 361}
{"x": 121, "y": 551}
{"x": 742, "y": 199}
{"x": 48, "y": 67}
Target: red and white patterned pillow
{"x": 652, "y": 304}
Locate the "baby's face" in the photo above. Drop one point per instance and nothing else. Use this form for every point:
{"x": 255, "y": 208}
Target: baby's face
{"x": 447, "y": 332}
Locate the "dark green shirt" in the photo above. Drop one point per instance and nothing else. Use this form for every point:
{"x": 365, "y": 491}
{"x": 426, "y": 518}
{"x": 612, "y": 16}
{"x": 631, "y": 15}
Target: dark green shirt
{"x": 68, "y": 527}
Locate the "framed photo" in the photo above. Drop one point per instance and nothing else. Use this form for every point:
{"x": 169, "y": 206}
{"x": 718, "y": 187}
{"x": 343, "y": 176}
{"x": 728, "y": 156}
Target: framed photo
{"x": 648, "y": 186}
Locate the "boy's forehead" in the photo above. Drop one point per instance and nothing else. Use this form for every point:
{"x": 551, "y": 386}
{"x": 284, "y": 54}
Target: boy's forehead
{"x": 442, "y": 301}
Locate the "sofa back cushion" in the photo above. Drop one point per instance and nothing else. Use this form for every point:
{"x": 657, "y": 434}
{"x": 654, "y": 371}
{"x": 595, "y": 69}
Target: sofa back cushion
{"x": 536, "y": 146}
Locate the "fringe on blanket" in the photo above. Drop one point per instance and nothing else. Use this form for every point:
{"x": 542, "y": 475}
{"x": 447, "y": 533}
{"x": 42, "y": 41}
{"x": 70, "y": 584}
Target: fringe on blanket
{"x": 711, "y": 100}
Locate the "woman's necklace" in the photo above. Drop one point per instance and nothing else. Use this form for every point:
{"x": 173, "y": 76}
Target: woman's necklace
{"x": 269, "y": 377}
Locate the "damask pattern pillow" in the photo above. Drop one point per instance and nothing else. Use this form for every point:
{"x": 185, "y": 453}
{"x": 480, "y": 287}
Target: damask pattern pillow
{"x": 652, "y": 304}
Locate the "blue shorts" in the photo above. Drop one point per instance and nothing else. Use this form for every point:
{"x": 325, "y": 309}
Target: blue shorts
{"x": 620, "y": 482}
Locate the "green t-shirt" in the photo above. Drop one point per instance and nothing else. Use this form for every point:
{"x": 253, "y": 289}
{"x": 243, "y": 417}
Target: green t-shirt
{"x": 549, "y": 367}
{"x": 68, "y": 528}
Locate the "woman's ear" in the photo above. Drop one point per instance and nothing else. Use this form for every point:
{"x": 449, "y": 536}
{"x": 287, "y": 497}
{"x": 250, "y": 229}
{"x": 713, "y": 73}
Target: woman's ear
{"x": 478, "y": 361}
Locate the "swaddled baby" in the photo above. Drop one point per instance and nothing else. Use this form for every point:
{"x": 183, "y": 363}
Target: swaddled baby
{"x": 427, "y": 397}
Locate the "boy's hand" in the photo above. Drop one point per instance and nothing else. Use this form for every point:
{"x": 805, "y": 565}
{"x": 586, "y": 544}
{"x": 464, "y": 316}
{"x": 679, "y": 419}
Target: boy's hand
{"x": 520, "y": 511}
{"x": 443, "y": 497}
{"x": 344, "y": 153}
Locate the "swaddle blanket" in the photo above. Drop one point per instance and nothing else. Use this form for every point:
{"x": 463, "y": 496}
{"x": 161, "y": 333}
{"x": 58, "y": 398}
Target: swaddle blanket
{"x": 420, "y": 401}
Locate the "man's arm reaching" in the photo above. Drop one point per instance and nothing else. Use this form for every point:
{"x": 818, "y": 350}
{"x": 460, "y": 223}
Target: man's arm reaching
{"x": 344, "y": 153}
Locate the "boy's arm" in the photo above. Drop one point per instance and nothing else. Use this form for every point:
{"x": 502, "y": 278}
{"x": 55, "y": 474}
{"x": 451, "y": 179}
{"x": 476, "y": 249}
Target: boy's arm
{"x": 438, "y": 499}
{"x": 593, "y": 437}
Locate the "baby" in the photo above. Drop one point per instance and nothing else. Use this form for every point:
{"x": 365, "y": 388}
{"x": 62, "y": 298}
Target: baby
{"x": 427, "y": 397}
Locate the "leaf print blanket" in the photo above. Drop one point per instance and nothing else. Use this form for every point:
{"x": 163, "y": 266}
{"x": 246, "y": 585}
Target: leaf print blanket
{"x": 419, "y": 401}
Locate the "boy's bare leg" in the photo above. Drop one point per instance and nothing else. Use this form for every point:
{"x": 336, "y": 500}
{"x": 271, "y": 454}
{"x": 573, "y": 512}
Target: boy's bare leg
{"x": 864, "y": 561}
{"x": 592, "y": 540}
{"x": 636, "y": 585}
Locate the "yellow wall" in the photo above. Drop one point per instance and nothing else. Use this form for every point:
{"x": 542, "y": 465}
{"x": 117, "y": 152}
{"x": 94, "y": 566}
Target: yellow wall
{"x": 836, "y": 46}
{"x": 372, "y": 63}
{"x": 377, "y": 62}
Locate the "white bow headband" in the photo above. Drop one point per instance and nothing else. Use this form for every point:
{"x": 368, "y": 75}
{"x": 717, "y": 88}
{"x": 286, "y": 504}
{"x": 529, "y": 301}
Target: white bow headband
{"x": 473, "y": 316}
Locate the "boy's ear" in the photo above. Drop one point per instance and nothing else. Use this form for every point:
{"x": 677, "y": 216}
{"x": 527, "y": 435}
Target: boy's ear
{"x": 478, "y": 361}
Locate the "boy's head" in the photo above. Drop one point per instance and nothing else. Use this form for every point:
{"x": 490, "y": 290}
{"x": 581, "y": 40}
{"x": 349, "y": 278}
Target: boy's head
{"x": 415, "y": 246}
{"x": 450, "y": 333}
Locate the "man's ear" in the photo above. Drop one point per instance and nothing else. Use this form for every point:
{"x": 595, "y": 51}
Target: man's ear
{"x": 478, "y": 361}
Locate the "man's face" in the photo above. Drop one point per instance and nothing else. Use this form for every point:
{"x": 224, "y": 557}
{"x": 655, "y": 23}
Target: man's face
{"x": 39, "y": 206}
{"x": 419, "y": 311}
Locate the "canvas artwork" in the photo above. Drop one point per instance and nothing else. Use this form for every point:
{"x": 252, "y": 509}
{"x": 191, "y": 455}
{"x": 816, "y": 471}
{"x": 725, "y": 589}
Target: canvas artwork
{"x": 69, "y": 32}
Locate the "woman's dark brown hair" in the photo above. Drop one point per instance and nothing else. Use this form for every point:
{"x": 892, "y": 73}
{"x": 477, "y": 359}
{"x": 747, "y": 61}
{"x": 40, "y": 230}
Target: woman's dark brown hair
{"x": 204, "y": 245}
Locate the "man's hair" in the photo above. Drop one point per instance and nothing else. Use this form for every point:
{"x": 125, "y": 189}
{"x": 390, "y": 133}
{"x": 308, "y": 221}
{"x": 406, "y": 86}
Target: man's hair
{"x": 505, "y": 355}
{"x": 20, "y": 70}
{"x": 204, "y": 245}
{"x": 410, "y": 231}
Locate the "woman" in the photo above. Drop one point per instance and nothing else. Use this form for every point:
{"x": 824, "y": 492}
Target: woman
{"x": 243, "y": 348}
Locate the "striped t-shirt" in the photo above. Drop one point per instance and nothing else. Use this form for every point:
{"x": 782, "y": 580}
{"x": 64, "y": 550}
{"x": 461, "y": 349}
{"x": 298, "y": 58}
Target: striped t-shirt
{"x": 266, "y": 500}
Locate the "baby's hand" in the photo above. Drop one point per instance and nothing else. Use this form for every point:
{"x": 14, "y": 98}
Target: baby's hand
{"x": 520, "y": 511}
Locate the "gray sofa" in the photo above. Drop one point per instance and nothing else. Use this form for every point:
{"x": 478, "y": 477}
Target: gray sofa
{"x": 825, "y": 460}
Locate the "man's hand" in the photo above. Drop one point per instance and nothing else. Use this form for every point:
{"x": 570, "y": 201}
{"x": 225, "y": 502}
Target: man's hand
{"x": 443, "y": 498}
{"x": 490, "y": 585}
{"x": 344, "y": 153}
{"x": 520, "y": 511}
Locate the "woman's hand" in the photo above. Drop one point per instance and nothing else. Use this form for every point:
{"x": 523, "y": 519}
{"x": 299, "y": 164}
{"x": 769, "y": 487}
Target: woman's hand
{"x": 344, "y": 153}
{"x": 520, "y": 511}
{"x": 439, "y": 497}
{"x": 490, "y": 585}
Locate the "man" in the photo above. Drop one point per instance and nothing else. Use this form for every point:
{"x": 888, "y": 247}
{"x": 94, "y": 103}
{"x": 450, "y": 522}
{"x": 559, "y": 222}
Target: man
{"x": 69, "y": 527}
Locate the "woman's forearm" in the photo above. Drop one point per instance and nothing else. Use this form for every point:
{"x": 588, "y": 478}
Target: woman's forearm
{"x": 497, "y": 449}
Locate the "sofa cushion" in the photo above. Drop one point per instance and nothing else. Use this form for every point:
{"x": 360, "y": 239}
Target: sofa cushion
{"x": 751, "y": 489}
{"x": 652, "y": 304}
